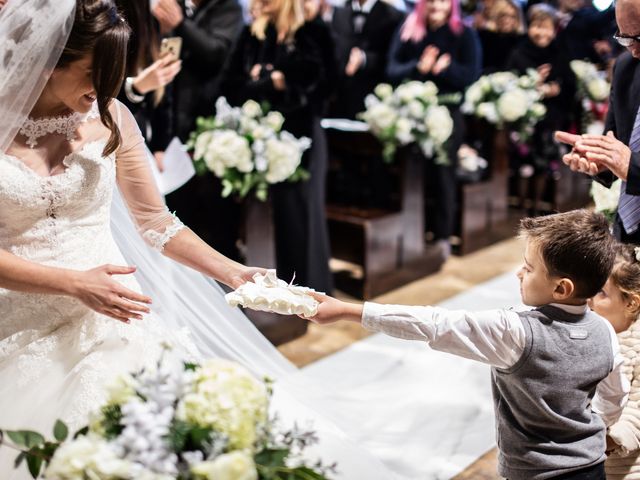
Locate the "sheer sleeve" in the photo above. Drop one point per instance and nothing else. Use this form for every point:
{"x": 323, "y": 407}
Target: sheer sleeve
{"x": 150, "y": 214}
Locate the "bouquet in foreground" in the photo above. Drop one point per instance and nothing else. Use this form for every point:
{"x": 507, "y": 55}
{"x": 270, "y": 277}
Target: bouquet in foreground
{"x": 593, "y": 95}
{"x": 505, "y": 99}
{"x": 189, "y": 422}
{"x": 247, "y": 149}
{"x": 412, "y": 113}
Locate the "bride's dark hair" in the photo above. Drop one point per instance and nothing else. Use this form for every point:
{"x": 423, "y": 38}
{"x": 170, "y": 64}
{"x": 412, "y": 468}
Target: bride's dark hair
{"x": 98, "y": 28}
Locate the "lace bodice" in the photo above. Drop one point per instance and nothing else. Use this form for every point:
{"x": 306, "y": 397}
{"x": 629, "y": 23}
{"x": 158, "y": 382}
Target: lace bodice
{"x": 63, "y": 220}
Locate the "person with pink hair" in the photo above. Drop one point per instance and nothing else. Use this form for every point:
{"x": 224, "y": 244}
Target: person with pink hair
{"x": 433, "y": 44}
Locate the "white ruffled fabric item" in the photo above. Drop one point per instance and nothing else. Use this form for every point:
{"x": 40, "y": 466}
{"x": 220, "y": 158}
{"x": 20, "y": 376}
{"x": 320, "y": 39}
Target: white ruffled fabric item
{"x": 267, "y": 293}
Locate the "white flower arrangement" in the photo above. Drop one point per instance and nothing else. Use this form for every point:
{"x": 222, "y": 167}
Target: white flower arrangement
{"x": 606, "y": 199}
{"x": 247, "y": 148}
{"x": 592, "y": 93}
{"x": 503, "y": 98}
{"x": 409, "y": 114}
{"x": 183, "y": 422}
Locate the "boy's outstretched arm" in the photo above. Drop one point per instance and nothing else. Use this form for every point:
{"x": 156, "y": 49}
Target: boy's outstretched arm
{"x": 495, "y": 337}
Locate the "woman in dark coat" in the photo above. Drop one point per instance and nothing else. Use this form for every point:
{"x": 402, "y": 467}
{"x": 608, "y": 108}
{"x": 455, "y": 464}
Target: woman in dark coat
{"x": 279, "y": 60}
{"x": 433, "y": 44}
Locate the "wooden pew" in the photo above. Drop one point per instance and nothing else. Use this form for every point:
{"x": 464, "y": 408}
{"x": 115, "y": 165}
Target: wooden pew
{"x": 483, "y": 216}
{"x": 376, "y": 217}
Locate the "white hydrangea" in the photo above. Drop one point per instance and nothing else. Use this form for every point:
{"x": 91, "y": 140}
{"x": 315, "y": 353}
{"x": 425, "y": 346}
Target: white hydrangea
{"x": 416, "y": 109}
{"x": 598, "y": 88}
{"x": 284, "y": 156}
{"x": 252, "y": 109}
{"x": 513, "y": 105}
{"x": 274, "y": 120}
{"x": 226, "y": 114}
{"x": 488, "y": 111}
{"x": 538, "y": 109}
{"x": 380, "y": 117}
{"x": 582, "y": 69}
{"x": 439, "y": 124}
{"x": 404, "y": 126}
{"x": 474, "y": 94}
{"x": 237, "y": 465}
{"x": 87, "y": 457}
{"x": 227, "y": 398}
{"x": 383, "y": 90}
{"x": 121, "y": 390}
{"x": 227, "y": 149}
{"x": 502, "y": 81}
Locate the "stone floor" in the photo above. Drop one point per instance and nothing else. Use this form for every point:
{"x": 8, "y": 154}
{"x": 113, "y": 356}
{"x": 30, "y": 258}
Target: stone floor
{"x": 458, "y": 275}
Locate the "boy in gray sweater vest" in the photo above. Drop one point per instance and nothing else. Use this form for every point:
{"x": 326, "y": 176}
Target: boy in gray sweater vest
{"x": 556, "y": 370}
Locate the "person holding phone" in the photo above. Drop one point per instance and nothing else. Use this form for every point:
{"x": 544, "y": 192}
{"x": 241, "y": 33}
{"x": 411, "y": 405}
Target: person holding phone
{"x": 208, "y": 29}
{"x": 150, "y": 68}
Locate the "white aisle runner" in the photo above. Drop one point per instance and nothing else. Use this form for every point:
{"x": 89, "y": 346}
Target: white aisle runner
{"x": 426, "y": 414}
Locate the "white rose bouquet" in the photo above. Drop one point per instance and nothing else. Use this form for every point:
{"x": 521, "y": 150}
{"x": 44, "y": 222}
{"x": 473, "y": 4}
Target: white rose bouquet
{"x": 503, "y": 98}
{"x": 412, "y": 113}
{"x": 190, "y": 422}
{"x": 247, "y": 149}
{"x": 592, "y": 93}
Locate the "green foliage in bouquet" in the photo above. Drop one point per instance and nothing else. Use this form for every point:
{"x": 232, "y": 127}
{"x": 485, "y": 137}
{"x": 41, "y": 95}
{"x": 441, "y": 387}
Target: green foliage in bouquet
{"x": 507, "y": 100}
{"x": 412, "y": 113}
{"x": 247, "y": 149}
{"x": 198, "y": 422}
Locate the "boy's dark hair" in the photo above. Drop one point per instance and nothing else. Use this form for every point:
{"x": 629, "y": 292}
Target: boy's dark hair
{"x": 541, "y": 12}
{"x": 576, "y": 245}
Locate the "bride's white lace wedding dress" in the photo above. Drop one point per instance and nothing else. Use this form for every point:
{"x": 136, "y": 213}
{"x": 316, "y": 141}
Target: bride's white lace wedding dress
{"x": 56, "y": 354}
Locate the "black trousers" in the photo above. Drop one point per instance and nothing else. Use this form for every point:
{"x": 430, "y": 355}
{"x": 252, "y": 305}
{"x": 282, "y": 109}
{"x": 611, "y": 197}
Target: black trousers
{"x": 302, "y": 240}
{"x": 441, "y": 184}
{"x": 595, "y": 472}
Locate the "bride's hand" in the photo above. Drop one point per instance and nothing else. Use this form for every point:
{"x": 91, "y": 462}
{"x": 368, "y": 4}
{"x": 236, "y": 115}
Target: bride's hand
{"x": 99, "y": 291}
{"x": 243, "y": 275}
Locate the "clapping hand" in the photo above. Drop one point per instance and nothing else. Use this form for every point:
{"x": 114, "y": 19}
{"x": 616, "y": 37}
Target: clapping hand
{"x": 441, "y": 64}
{"x": 356, "y": 60}
{"x": 592, "y": 154}
{"x": 169, "y": 15}
{"x": 428, "y": 59}
{"x": 99, "y": 291}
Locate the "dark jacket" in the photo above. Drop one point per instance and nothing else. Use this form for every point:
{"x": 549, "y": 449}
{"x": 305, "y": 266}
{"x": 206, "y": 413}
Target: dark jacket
{"x": 374, "y": 40}
{"x": 466, "y": 59}
{"x": 586, "y": 26}
{"x": 301, "y": 62}
{"x": 529, "y": 56}
{"x": 208, "y": 38}
{"x": 624, "y": 102}
{"x": 496, "y": 49}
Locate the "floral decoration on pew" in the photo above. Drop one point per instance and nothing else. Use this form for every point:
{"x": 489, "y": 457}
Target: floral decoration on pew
{"x": 198, "y": 422}
{"x": 507, "y": 100}
{"x": 247, "y": 149}
{"x": 412, "y": 113}
{"x": 606, "y": 199}
{"x": 593, "y": 95}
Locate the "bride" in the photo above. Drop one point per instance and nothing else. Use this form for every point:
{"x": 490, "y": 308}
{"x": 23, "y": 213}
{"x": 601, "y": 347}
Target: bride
{"x": 73, "y": 312}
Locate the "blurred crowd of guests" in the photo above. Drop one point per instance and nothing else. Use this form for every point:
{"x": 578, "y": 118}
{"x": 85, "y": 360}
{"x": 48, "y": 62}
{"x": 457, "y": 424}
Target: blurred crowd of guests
{"x": 310, "y": 59}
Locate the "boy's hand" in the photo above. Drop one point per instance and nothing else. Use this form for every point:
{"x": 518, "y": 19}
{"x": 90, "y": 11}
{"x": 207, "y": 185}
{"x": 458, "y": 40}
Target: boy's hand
{"x": 331, "y": 310}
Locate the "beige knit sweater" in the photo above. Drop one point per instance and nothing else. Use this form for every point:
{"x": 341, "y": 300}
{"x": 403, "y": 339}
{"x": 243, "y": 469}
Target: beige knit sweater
{"x": 624, "y": 462}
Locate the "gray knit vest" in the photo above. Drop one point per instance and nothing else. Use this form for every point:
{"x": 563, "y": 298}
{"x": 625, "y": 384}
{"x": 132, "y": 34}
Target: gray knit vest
{"x": 544, "y": 423}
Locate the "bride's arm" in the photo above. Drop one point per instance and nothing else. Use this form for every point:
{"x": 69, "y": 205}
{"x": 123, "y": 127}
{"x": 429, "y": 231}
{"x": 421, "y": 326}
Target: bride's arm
{"x": 160, "y": 228}
{"x": 95, "y": 288}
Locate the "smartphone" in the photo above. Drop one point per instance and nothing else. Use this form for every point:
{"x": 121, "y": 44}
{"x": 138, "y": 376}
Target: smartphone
{"x": 171, "y": 46}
